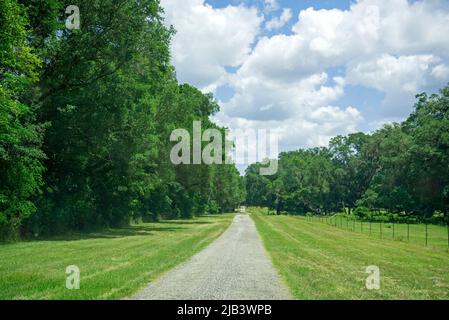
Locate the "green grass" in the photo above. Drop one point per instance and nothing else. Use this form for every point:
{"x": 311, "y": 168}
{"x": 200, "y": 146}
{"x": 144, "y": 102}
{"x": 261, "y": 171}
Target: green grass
{"x": 318, "y": 261}
{"x": 437, "y": 235}
{"x": 113, "y": 264}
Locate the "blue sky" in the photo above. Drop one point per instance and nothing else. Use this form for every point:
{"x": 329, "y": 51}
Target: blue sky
{"x": 294, "y": 4}
{"x": 366, "y": 98}
{"x": 307, "y": 69}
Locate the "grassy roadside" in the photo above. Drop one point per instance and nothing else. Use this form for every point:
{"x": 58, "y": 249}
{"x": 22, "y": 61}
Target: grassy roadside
{"x": 437, "y": 235}
{"x": 113, "y": 264}
{"x": 318, "y": 261}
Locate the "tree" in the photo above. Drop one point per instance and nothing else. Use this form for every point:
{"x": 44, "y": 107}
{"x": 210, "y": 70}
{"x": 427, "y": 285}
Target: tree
{"x": 20, "y": 135}
{"x": 401, "y": 168}
{"x": 429, "y": 129}
{"x": 353, "y": 170}
{"x": 391, "y": 183}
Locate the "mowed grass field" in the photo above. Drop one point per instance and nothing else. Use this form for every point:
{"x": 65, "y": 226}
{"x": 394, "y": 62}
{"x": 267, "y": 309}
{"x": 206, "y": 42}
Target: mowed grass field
{"x": 437, "y": 235}
{"x": 113, "y": 264}
{"x": 319, "y": 261}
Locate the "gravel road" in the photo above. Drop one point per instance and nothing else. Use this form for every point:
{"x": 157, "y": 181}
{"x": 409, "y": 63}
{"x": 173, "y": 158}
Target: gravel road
{"x": 234, "y": 267}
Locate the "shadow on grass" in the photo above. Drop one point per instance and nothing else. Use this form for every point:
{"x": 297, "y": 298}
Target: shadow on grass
{"x": 145, "y": 229}
{"x": 184, "y": 222}
{"x": 191, "y": 221}
{"x": 109, "y": 233}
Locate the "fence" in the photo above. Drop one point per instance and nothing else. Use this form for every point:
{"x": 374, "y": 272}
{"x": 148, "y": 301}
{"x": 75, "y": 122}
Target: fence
{"x": 425, "y": 233}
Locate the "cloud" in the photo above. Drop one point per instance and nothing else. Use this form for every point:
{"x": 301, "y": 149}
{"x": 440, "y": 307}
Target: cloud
{"x": 400, "y": 78}
{"x": 313, "y": 130}
{"x": 279, "y": 22}
{"x": 271, "y": 5}
{"x": 209, "y": 39}
{"x": 301, "y": 112}
{"x": 441, "y": 72}
{"x": 393, "y": 46}
{"x": 284, "y": 81}
{"x": 259, "y": 98}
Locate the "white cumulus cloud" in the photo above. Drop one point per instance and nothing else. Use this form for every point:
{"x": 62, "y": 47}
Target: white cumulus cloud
{"x": 208, "y": 39}
{"x": 285, "y": 81}
{"x": 279, "y": 22}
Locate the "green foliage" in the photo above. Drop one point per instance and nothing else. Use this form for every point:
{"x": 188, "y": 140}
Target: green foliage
{"x": 299, "y": 247}
{"x": 398, "y": 173}
{"x": 20, "y": 135}
{"x": 16, "y": 57}
{"x": 213, "y": 208}
{"x": 109, "y": 98}
{"x": 114, "y": 263}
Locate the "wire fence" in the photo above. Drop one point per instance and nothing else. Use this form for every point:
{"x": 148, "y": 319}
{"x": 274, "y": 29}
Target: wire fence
{"x": 423, "y": 233}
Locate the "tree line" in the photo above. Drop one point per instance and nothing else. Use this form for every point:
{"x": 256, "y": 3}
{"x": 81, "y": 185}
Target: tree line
{"x": 400, "y": 169}
{"x": 86, "y": 117}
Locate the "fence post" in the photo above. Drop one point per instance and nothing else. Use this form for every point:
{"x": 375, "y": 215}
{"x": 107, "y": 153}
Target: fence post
{"x": 370, "y": 227}
{"x": 353, "y": 225}
{"x": 393, "y": 230}
{"x": 347, "y": 223}
{"x": 381, "y": 229}
{"x": 361, "y": 226}
{"x": 408, "y": 231}
{"x": 426, "y": 233}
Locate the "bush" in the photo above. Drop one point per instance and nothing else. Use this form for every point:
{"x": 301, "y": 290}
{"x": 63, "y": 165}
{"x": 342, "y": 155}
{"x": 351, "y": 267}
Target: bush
{"x": 213, "y": 208}
{"x": 366, "y": 214}
{"x": 362, "y": 213}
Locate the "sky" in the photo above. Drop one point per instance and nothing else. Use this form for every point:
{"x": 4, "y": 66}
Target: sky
{"x": 311, "y": 70}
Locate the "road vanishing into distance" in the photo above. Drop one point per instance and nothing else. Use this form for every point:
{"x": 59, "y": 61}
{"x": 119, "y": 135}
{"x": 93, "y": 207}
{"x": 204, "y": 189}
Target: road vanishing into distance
{"x": 233, "y": 267}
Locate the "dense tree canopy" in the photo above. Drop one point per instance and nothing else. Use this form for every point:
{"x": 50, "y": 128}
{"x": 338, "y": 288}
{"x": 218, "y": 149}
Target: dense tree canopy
{"x": 20, "y": 134}
{"x": 86, "y": 117}
{"x": 401, "y": 168}
{"x": 108, "y": 99}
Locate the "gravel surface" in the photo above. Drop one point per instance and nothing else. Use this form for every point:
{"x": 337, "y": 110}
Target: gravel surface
{"x": 233, "y": 267}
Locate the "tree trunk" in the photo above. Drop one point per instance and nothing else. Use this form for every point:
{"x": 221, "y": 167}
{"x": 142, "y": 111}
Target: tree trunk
{"x": 278, "y": 210}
